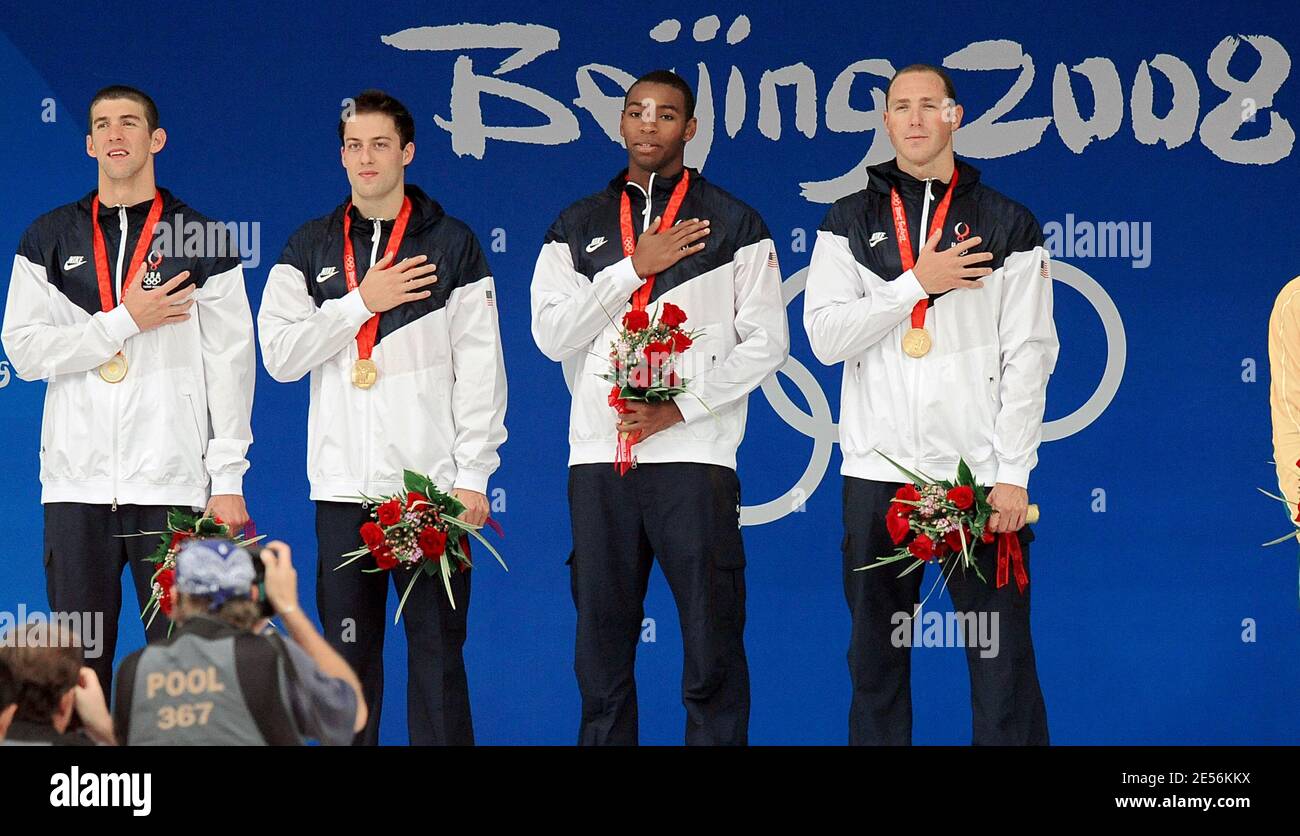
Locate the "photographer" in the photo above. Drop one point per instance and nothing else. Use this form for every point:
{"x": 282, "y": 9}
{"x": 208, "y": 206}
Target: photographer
{"x": 215, "y": 681}
{"x": 53, "y": 690}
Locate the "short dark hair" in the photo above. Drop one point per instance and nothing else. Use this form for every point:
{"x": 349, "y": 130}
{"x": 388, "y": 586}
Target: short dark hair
{"x": 45, "y": 665}
{"x": 377, "y": 101}
{"x": 948, "y": 89}
{"x": 670, "y": 79}
{"x": 122, "y": 91}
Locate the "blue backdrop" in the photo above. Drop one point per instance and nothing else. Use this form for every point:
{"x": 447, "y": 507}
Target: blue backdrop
{"x": 1158, "y": 618}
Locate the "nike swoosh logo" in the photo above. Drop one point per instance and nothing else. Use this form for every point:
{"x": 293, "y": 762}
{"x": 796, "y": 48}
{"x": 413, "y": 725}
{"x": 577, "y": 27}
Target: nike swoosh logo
{"x": 327, "y": 273}
{"x": 74, "y": 262}
{"x": 876, "y": 238}
{"x": 596, "y": 243}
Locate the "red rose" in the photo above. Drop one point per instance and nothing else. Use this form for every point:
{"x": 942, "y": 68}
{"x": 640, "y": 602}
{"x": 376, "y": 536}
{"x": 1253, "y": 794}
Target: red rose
{"x": 372, "y": 535}
{"x": 897, "y": 526}
{"x": 432, "y": 541}
{"x": 166, "y": 579}
{"x": 908, "y": 492}
{"x": 961, "y": 496}
{"x": 177, "y": 538}
{"x": 953, "y": 539}
{"x": 987, "y": 537}
{"x": 639, "y": 378}
{"x": 384, "y": 558}
{"x": 681, "y": 341}
{"x": 390, "y": 512}
{"x": 902, "y": 510}
{"x": 941, "y": 548}
{"x": 414, "y": 498}
{"x": 922, "y": 547}
{"x": 636, "y": 320}
{"x": 672, "y": 315}
{"x": 656, "y": 354}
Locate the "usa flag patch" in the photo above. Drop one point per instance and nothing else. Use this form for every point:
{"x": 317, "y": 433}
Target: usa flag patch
{"x": 491, "y": 302}
{"x": 1042, "y": 268}
{"x": 771, "y": 261}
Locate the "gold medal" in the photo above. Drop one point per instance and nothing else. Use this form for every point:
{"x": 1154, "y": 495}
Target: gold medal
{"x": 114, "y": 371}
{"x": 364, "y": 373}
{"x": 917, "y": 342}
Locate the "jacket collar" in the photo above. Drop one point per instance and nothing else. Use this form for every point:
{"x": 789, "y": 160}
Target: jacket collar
{"x": 135, "y": 210}
{"x": 660, "y": 187}
{"x": 425, "y": 212}
{"x": 887, "y": 175}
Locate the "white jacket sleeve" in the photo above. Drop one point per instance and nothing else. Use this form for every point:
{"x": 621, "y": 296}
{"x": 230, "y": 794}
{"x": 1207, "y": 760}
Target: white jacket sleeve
{"x": 296, "y": 335}
{"x": 478, "y": 394}
{"x": 229, "y": 372}
{"x": 1029, "y": 346}
{"x": 762, "y": 332}
{"x": 847, "y": 308}
{"x": 37, "y": 347}
{"x": 568, "y": 310}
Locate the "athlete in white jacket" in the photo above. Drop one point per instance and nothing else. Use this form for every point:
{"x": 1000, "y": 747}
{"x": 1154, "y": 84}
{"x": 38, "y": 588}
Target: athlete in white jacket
{"x": 406, "y": 373}
{"x": 681, "y": 503}
{"x": 143, "y": 334}
{"x": 934, "y": 292}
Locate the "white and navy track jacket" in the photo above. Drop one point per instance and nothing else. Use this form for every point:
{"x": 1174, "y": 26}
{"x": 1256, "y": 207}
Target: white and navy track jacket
{"x": 980, "y": 391}
{"x": 177, "y": 428}
{"x": 438, "y": 406}
{"x": 583, "y": 285}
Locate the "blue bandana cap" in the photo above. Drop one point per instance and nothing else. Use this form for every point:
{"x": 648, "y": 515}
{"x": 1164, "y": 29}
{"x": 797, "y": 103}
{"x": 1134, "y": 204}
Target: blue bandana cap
{"x": 214, "y": 568}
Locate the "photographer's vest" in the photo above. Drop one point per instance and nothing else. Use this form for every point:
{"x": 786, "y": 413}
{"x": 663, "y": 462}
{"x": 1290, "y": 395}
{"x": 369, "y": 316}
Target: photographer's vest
{"x": 207, "y": 685}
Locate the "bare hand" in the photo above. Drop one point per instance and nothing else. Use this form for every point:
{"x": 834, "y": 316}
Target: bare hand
{"x": 649, "y": 418}
{"x": 281, "y": 577}
{"x": 230, "y": 509}
{"x": 952, "y": 268}
{"x": 476, "y": 506}
{"x": 92, "y": 708}
{"x": 154, "y": 307}
{"x": 657, "y": 251}
{"x": 1010, "y": 506}
{"x": 385, "y": 287}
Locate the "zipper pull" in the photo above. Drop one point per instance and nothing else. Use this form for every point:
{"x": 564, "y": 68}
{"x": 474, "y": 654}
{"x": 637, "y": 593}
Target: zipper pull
{"x": 115, "y": 505}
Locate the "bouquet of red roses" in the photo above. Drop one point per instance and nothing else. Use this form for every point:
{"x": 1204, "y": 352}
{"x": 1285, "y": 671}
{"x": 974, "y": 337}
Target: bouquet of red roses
{"x": 643, "y": 366}
{"x": 932, "y": 520}
{"x": 419, "y": 530}
{"x": 182, "y": 525}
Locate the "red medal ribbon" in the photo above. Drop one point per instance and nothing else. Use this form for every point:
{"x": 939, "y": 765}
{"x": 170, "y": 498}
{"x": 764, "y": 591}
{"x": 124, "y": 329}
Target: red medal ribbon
{"x": 1010, "y": 558}
{"x": 905, "y": 240}
{"x": 137, "y": 258}
{"x": 641, "y": 298}
{"x": 370, "y": 329}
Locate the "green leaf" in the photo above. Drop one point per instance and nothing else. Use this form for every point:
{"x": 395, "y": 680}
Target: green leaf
{"x": 355, "y": 557}
{"x": 911, "y": 568}
{"x": 916, "y": 480}
{"x": 964, "y": 476}
{"x": 402, "y": 603}
{"x": 1282, "y": 539}
{"x": 488, "y": 546}
{"x": 445, "y": 566}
